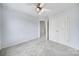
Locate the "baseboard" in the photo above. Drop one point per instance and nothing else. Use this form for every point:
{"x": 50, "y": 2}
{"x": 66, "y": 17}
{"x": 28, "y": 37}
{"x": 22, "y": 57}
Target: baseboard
{"x": 66, "y": 45}
{"x": 16, "y": 43}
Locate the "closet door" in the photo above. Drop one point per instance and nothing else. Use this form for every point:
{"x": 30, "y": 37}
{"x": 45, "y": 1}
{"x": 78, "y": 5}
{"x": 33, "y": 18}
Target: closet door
{"x": 59, "y": 30}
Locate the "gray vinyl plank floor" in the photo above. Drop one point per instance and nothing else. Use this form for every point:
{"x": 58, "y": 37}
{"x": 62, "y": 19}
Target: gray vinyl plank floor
{"x": 39, "y": 47}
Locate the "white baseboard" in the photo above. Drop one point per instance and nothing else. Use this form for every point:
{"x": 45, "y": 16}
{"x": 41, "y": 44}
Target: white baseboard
{"x": 5, "y": 45}
{"x": 66, "y": 45}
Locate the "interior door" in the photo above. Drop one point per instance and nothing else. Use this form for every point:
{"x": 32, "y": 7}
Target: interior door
{"x": 42, "y": 28}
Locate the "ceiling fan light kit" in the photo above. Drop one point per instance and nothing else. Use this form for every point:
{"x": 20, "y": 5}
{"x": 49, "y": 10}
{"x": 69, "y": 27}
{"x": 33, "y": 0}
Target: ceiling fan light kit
{"x": 39, "y": 8}
{"x": 41, "y": 11}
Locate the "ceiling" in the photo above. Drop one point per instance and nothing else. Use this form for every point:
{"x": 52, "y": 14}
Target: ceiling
{"x": 30, "y": 9}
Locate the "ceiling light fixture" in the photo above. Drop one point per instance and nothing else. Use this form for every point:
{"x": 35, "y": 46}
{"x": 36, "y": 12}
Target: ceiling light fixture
{"x": 40, "y": 8}
{"x": 41, "y": 11}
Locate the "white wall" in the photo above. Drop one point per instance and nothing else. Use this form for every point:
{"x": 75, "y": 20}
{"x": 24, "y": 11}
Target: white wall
{"x": 64, "y": 27}
{"x": 74, "y": 29}
{"x": 0, "y": 22}
{"x": 19, "y": 27}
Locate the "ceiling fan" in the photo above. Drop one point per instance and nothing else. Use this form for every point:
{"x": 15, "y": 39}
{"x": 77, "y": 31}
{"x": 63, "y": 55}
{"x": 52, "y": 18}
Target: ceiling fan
{"x": 40, "y": 8}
